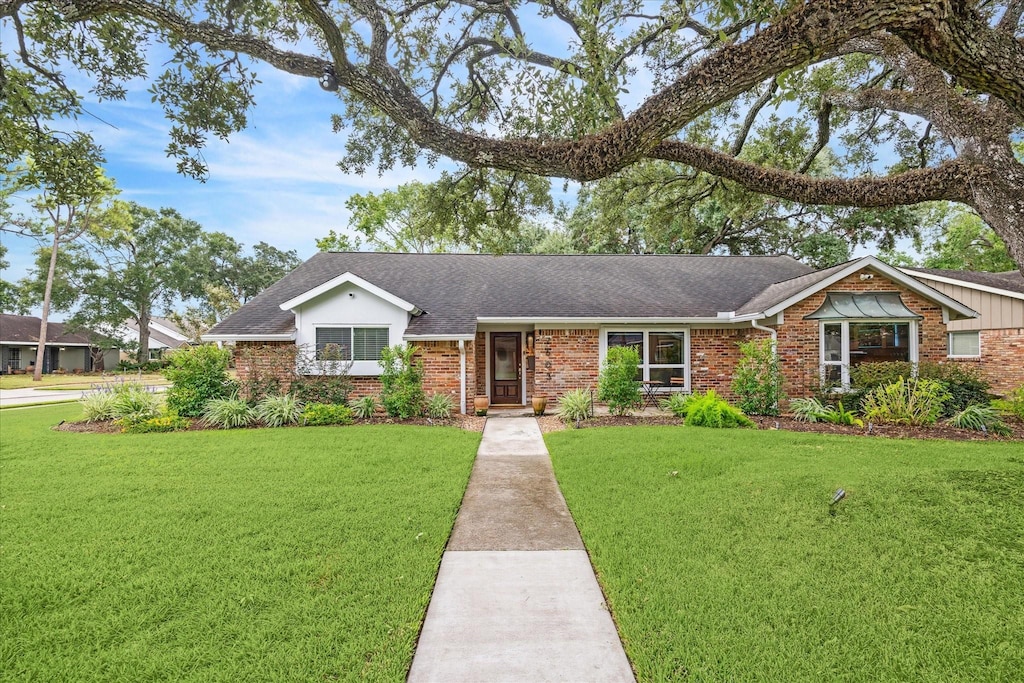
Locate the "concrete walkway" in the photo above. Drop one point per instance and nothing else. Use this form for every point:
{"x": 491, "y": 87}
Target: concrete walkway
{"x": 516, "y": 598}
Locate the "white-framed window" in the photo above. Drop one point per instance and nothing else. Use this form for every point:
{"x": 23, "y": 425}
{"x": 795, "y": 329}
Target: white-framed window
{"x": 14, "y": 358}
{"x": 350, "y": 343}
{"x": 845, "y": 344}
{"x": 965, "y": 344}
{"x": 664, "y": 353}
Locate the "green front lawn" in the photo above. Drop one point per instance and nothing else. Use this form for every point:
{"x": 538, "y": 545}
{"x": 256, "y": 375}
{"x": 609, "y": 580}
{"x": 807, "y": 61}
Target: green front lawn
{"x": 721, "y": 563}
{"x": 304, "y": 554}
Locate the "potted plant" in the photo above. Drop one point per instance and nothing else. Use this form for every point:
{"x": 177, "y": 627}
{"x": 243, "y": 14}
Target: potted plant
{"x": 540, "y": 403}
{"x": 480, "y": 405}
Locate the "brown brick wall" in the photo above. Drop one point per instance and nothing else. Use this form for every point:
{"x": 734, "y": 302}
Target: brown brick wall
{"x": 714, "y": 354}
{"x": 480, "y": 364}
{"x": 1002, "y": 359}
{"x": 363, "y": 385}
{"x": 566, "y": 359}
{"x": 262, "y": 360}
{"x": 799, "y": 346}
{"x": 441, "y": 368}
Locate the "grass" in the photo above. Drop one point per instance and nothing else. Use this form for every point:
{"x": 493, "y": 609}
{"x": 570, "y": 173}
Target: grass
{"x": 721, "y": 563}
{"x": 70, "y": 381}
{"x": 288, "y": 554}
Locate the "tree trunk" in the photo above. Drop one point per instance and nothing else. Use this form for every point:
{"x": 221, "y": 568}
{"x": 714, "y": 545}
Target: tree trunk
{"x": 37, "y": 374}
{"x": 143, "y": 321}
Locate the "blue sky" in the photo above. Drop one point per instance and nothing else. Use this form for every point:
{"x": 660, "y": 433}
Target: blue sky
{"x": 277, "y": 181}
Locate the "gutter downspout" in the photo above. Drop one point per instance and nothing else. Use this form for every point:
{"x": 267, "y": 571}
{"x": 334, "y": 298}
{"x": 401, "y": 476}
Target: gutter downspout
{"x": 462, "y": 376}
{"x": 775, "y": 352}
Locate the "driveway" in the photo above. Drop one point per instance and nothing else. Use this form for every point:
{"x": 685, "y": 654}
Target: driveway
{"x": 32, "y": 395}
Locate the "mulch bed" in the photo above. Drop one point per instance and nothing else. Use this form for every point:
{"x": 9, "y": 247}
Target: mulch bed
{"x": 470, "y": 423}
{"x": 550, "y": 423}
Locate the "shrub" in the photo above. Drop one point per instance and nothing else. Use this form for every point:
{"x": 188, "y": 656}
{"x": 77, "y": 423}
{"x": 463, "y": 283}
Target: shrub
{"x": 440, "y": 406}
{"x": 617, "y": 385}
{"x": 710, "y": 410}
{"x": 574, "y": 406}
{"x": 228, "y": 413}
{"x": 401, "y": 381}
{"x": 167, "y": 423}
{"x": 1012, "y": 404}
{"x": 199, "y": 373}
{"x": 98, "y": 405}
{"x": 758, "y": 381}
{"x": 807, "y": 409}
{"x": 676, "y": 403}
{"x": 277, "y": 411}
{"x": 979, "y": 418}
{"x": 906, "y": 401}
{"x": 134, "y": 402}
{"x": 963, "y": 383}
{"x": 839, "y": 415}
{"x": 364, "y": 407}
{"x": 317, "y": 414}
{"x": 322, "y": 389}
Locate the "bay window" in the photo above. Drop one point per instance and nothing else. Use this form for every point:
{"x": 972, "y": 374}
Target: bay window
{"x": 849, "y": 343}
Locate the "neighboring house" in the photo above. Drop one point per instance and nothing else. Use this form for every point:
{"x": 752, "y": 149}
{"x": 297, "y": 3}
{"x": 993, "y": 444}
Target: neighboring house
{"x": 517, "y": 326}
{"x": 19, "y": 339}
{"x": 164, "y": 336}
{"x": 995, "y": 339}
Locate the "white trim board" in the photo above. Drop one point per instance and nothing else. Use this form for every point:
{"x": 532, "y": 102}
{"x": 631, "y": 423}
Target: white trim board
{"x": 349, "y": 278}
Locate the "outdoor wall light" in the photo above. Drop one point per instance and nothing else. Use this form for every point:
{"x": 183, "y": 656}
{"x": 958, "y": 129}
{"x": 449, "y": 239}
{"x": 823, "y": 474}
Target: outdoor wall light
{"x": 328, "y": 81}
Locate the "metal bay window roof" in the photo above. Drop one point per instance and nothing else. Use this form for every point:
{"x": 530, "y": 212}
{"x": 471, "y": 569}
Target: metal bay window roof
{"x": 875, "y": 306}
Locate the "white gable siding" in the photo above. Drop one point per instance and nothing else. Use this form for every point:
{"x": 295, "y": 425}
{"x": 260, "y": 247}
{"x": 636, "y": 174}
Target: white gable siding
{"x": 350, "y": 306}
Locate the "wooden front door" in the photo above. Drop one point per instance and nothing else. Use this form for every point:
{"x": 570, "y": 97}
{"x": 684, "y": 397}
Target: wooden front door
{"x": 506, "y": 367}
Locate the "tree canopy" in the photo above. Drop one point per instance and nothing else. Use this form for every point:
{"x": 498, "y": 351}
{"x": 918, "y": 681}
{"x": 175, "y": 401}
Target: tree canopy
{"x": 580, "y": 89}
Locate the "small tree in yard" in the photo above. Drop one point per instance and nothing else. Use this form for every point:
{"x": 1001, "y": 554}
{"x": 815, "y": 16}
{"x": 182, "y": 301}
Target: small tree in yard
{"x": 757, "y": 381}
{"x": 617, "y": 386}
{"x": 200, "y": 374}
{"x": 401, "y": 381}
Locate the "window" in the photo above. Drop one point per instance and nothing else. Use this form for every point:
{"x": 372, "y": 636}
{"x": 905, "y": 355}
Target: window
{"x": 156, "y": 354}
{"x": 966, "y": 344}
{"x": 847, "y": 344}
{"x": 350, "y": 343}
{"x": 14, "y": 358}
{"x": 662, "y": 353}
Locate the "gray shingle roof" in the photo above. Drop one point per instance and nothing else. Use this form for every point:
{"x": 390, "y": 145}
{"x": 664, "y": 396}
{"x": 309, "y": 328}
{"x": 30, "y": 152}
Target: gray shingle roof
{"x": 1012, "y": 280}
{"x": 24, "y": 329}
{"x": 782, "y": 290}
{"x": 455, "y": 289}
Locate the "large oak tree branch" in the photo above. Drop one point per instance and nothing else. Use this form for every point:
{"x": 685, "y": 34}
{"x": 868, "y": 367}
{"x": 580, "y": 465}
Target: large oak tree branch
{"x": 950, "y": 181}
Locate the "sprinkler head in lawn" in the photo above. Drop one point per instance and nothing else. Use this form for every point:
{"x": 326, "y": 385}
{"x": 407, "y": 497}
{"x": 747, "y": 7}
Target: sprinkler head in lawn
{"x": 836, "y": 497}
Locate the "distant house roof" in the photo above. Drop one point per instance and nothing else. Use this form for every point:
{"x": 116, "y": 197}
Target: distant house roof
{"x": 165, "y": 340}
{"x": 1010, "y": 281}
{"x": 453, "y": 291}
{"x": 24, "y": 329}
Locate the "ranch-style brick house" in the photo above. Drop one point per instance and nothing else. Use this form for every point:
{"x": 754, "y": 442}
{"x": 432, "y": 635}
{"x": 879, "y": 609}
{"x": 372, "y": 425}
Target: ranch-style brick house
{"x": 515, "y": 326}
